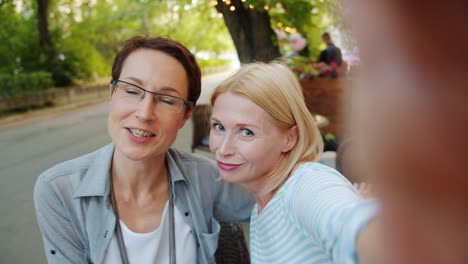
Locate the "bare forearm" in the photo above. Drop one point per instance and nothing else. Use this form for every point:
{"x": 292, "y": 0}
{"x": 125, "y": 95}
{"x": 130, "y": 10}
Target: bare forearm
{"x": 369, "y": 243}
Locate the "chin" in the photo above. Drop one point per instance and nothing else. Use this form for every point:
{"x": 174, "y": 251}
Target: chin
{"x": 226, "y": 178}
{"x": 230, "y": 178}
{"x": 131, "y": 154}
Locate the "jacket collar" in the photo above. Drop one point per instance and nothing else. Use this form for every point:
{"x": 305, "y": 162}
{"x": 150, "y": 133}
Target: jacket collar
{"x": 95, "y": 182}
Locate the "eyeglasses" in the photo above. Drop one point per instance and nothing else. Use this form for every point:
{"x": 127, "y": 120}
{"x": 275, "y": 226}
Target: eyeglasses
{"x": 133, "y": 94}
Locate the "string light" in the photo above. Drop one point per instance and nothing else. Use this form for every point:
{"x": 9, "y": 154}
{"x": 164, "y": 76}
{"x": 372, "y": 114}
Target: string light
{"x": 214, "y": 2}
{"x": 251, "y": 6}
{"x": 243, "y": 1}
{"x": 228, "y": 2}
{"x": 220, "y": 15}
{"x": 279, "y": 24}
{"x": 266, "y": 7}
{"x": 232, "y": 8}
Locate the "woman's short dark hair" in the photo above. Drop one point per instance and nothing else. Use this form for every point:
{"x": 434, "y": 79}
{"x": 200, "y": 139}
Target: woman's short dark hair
{"x": 169, "y": 47}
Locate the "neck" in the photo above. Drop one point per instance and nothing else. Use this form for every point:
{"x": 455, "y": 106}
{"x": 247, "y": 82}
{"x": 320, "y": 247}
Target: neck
{"x": 262, "y": 200}
{"x": 256, "y": 188}
{"x": 135, "y": 179}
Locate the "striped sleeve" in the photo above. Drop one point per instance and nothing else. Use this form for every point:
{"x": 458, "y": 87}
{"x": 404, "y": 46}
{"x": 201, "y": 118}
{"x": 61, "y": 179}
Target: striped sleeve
{"x": 328, "y": 209}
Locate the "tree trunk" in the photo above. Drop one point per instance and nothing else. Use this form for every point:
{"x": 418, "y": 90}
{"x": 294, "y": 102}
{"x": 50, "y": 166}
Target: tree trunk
{"x": 42, "y": 22}
{"x": 250, "y": 31}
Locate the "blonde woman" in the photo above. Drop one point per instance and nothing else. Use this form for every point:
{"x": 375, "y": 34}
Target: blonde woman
{"x": 263, "y": 137}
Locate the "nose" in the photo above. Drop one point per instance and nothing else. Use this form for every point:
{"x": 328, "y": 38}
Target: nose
{"x": 227, "y": 145}
{"x": 145, "y": 108}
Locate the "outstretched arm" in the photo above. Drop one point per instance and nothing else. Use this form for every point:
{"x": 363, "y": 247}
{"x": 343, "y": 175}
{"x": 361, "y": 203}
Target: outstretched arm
{"x": 326, "y": 206}
{"x": 369, "y": 248}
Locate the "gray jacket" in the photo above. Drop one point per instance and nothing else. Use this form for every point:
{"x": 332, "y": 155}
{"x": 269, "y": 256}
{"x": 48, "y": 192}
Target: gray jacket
{"x": 77, "y": 221}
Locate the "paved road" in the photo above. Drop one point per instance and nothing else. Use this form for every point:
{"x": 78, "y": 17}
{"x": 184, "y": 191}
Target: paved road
{"x": 28, "y": 149}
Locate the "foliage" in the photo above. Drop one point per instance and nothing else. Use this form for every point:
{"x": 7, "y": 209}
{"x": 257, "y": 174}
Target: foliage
{"x": 19, "y": 50}
{"x": 201, "y": 29}
{"x": 303, "y": 67}
{"x": 18, "y": 84}
{"x": 211, "y": 63}
{"x": 87, "y": 34}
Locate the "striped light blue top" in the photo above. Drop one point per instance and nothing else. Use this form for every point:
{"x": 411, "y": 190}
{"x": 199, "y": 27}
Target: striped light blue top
{"x": 314, "y": 218}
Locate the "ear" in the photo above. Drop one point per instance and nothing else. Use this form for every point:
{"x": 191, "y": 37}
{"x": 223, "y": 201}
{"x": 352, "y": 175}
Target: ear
{"x": 291, "y": 139}
{"x": 187, "y": 117}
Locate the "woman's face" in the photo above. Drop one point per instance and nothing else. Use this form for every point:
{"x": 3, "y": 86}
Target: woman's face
{"x": 140, "y": 129}
{"x": 245, "y": 140}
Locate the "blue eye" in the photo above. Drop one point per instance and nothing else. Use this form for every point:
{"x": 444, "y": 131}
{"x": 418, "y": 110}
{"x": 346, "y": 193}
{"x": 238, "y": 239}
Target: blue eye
{"x": 247, "y": 132}
{"x": 217, "y": 127}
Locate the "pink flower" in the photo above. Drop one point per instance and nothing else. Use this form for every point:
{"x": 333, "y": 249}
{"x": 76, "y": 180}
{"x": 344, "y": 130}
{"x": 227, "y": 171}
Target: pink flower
{"x": 280, "y": 34}
{"x": 298, "y": 43}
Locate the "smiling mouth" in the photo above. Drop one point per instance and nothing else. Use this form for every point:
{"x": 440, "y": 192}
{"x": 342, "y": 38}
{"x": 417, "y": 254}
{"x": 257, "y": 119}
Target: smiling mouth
{"x": 140, "y": 133}
{"x": 228, "y": 166}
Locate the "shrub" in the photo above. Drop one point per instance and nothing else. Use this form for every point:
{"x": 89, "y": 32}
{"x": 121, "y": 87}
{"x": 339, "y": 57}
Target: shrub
{"x": 13, "y": 85}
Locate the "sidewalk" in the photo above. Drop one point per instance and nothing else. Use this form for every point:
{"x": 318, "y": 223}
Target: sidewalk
{"x": 44, "y": 113}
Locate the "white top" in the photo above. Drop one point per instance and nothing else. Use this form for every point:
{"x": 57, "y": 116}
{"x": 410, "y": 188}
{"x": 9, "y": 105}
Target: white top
{"x": 153, "y": 247}
{"x": 315, "y": 217}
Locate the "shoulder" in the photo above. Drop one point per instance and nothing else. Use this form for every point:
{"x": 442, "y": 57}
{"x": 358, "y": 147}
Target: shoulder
{"x": 190, "y": 157}
{"x": 67, "y": 168}
{"x": 66, "y": 176}
{"x": 315, "y": 172}
{"x": 314, "y": 180}
{"x": 193, "y": 164}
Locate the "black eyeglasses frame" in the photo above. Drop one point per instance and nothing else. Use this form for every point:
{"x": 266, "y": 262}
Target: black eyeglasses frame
{"x": 115, "y": 82}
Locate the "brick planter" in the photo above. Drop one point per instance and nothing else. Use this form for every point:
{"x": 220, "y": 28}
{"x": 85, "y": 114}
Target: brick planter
{"x": 325, "y": 97}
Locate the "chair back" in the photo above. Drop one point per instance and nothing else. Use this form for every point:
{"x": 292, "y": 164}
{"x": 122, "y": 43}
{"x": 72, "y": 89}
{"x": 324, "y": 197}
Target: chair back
{"x": 232, "y": 246}
{"x": 201, "y": 127}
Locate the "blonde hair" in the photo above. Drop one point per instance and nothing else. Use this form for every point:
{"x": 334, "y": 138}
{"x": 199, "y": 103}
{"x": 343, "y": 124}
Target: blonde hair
{"x": 276, "y": 90}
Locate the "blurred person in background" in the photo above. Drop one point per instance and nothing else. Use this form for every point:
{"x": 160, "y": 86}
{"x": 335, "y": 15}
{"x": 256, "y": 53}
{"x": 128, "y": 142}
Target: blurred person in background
{"x": 410, "y": 120}
{"x": 331, "y": 57}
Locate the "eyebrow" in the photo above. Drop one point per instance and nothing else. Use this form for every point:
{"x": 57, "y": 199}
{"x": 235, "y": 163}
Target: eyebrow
{"x": 237, "y": 125}
{"x": 164, "y": 88}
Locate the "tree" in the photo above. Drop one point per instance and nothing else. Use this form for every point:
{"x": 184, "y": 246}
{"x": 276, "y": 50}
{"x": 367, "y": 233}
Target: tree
{"x": 43, "y": 24}
{"x": 251, "y": 24}
{"x": 250, "y": 30}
